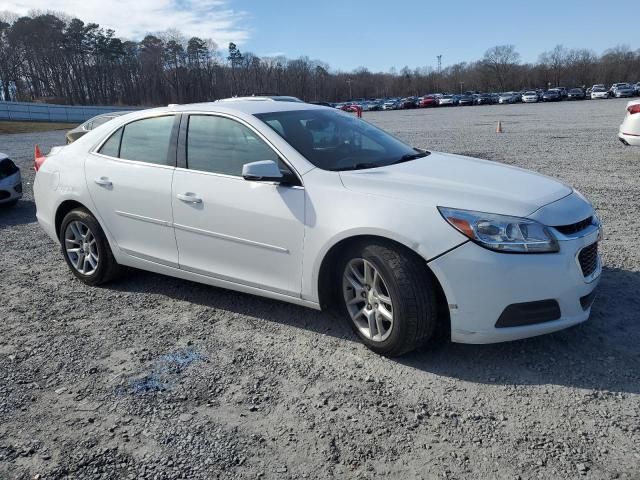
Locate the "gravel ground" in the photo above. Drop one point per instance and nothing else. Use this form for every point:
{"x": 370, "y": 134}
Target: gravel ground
{"x": 154, "y": 377}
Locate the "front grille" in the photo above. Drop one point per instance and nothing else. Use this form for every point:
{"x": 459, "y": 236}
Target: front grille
{"x": 588, "y": 258}
{"x": 574, "y": 227}
{"x": 4, "y": 194}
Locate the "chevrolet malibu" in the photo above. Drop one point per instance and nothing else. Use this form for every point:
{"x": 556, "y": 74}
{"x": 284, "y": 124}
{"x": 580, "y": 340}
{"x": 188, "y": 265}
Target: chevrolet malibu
{"x": 313, "y": 206}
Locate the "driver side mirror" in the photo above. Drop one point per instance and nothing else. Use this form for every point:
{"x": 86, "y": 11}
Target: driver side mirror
{"x": 262, "y": 171}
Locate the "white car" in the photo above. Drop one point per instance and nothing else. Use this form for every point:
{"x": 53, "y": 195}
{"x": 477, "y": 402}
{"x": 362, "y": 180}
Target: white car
{"x": 530, "y": 97}
{"x": 447, "y": 100}
{"x": 313, "y": 206}
{"x": 629, "y": 132}
{"x": 10, "y": 182}
{"x": 599, "y": 92}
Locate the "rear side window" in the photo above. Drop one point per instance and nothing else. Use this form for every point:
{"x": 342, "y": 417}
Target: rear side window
{"x": 112, "y": 146}
{"x": 147, "y": 140}
{"x": 221, "y": 145}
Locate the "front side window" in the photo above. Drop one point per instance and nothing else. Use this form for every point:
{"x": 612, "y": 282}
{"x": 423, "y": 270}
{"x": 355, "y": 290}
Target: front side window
{"x": 337, "y": 141}
{"x": 221, "y": 145}
{"x": 147, "y": 140}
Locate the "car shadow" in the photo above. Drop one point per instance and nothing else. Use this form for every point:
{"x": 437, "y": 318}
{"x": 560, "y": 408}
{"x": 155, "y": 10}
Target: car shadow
{"x": 262, "y": 308}
{"x": 602, "y": 353}
{"x": 21, "y": 213}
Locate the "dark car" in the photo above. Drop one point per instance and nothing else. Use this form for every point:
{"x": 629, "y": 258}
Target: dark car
{"x": 551, "y": 96}
{"x": 465, "y": 99}
{"x": 410, "y": 102}
{"x": 80, "y": 130}
{"x": 483, "y": 99}
{"x": 576, "y": 94}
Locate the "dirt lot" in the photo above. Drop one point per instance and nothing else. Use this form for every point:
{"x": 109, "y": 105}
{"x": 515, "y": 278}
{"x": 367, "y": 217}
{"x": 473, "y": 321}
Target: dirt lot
{"x": 153, "y": 377}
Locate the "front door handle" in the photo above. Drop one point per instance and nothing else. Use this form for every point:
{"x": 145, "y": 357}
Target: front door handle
{"x": 189, "y": 197}
{"x": 103, "y": 182}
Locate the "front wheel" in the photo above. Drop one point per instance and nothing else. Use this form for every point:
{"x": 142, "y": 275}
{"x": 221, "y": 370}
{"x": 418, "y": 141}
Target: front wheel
{"x": 86, "y": 249}
{"x": 388, "y": 297}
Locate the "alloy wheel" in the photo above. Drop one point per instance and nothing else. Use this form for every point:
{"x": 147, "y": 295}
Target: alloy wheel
{"x": 81, "y": 247}
{"x": 367, "y": 299}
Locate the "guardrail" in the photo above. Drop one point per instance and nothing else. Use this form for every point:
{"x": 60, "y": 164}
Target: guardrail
{"x": 44, "y": 112}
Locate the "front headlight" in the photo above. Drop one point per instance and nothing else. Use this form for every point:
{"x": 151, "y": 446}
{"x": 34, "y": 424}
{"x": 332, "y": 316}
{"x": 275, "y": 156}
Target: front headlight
{"x": 500, "y": 232}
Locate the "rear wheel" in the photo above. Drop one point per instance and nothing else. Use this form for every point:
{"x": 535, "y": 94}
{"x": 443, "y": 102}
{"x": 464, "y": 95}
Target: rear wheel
{"x": 86, "y": 249}
{"x": 388, "y": 297}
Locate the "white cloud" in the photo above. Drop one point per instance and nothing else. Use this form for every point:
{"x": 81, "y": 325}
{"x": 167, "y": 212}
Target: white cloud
{"x": 213, "y": 19}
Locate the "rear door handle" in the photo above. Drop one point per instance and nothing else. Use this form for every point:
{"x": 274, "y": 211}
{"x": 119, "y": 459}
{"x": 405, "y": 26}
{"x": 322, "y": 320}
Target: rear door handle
{"x": 103, "y": 182}
{"x": 189, "y": 198}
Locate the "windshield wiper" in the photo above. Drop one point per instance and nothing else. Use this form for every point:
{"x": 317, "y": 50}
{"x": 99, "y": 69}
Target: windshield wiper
{"x": 410, "y": 156}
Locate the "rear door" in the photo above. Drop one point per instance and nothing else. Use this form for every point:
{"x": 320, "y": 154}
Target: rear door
{"x": 229, "y": 228}
{"x": 129, "y": 178}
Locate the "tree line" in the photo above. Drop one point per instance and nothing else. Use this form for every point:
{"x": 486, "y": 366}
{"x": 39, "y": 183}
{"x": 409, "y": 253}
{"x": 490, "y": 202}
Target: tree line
{"x": 53, "y": 58}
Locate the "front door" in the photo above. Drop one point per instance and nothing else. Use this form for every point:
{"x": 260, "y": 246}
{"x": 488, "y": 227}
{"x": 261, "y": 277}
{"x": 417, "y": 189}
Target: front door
{"x": 229, "y": 228}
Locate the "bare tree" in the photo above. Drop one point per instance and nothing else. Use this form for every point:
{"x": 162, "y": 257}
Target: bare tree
{"x": 501, "y": 60}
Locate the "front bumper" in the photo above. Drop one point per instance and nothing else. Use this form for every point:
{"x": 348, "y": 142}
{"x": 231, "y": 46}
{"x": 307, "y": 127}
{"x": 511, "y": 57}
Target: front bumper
{"x": 480, "y": 284}
{"x": 11, "y": 188}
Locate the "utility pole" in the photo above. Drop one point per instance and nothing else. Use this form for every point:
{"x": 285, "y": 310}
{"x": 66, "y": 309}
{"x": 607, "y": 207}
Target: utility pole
{"x": 439, "y": 57}
{"x": 461, "y": 85}
{"x": 350, "y": 94}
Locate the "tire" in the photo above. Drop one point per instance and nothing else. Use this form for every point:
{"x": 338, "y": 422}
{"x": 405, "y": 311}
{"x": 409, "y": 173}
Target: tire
{"x": 106, "y": 268}
{"x": 402, "y": 279}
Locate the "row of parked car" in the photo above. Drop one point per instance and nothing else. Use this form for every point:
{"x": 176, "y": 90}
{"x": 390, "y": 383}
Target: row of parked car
{"x": 11, "y": 179}
{"x": 598, "y": 91}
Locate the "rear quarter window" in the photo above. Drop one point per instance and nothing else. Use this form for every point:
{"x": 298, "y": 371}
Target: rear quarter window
{"x": 112, "y": 146}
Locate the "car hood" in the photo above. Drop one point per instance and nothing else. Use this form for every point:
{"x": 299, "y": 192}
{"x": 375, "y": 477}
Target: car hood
{"x": 455, "y": 181}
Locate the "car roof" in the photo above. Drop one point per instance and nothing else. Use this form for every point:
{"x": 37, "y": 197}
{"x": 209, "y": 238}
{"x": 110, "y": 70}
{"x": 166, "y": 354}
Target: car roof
{"x": 3, "y": 156}
{"x": 250, "y": 106}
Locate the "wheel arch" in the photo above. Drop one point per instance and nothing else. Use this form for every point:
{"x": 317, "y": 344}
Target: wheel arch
{"x": 65, "y": 207}
{"x": 326, "y": 272}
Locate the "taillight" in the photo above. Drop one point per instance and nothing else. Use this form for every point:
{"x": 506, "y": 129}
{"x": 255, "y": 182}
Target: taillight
{"x": 38, "y": 158}
{"x": 633, "y": 109}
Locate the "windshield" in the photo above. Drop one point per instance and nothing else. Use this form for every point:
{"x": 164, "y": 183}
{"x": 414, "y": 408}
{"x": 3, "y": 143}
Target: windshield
{"x": 333, "y": 140}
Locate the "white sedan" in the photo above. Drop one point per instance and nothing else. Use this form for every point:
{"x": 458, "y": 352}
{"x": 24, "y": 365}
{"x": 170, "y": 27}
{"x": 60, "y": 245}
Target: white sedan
{"x": 629, "y": 132}
{"x": 599, "y": 92}
{"x": 530, "y": 97}
{"x": 313, "y": 206}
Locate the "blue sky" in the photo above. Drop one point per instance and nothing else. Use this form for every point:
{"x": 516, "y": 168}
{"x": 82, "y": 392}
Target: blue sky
{"x": 412, "y": 32}
{"x": 377, "y": 34}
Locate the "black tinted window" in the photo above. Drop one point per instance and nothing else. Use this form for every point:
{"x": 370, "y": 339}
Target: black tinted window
{"x": 112, "y": 146}
{"x": 337, "y": 141}
{"x": 221, "y": 145}
{"x": 147, "y": 140}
